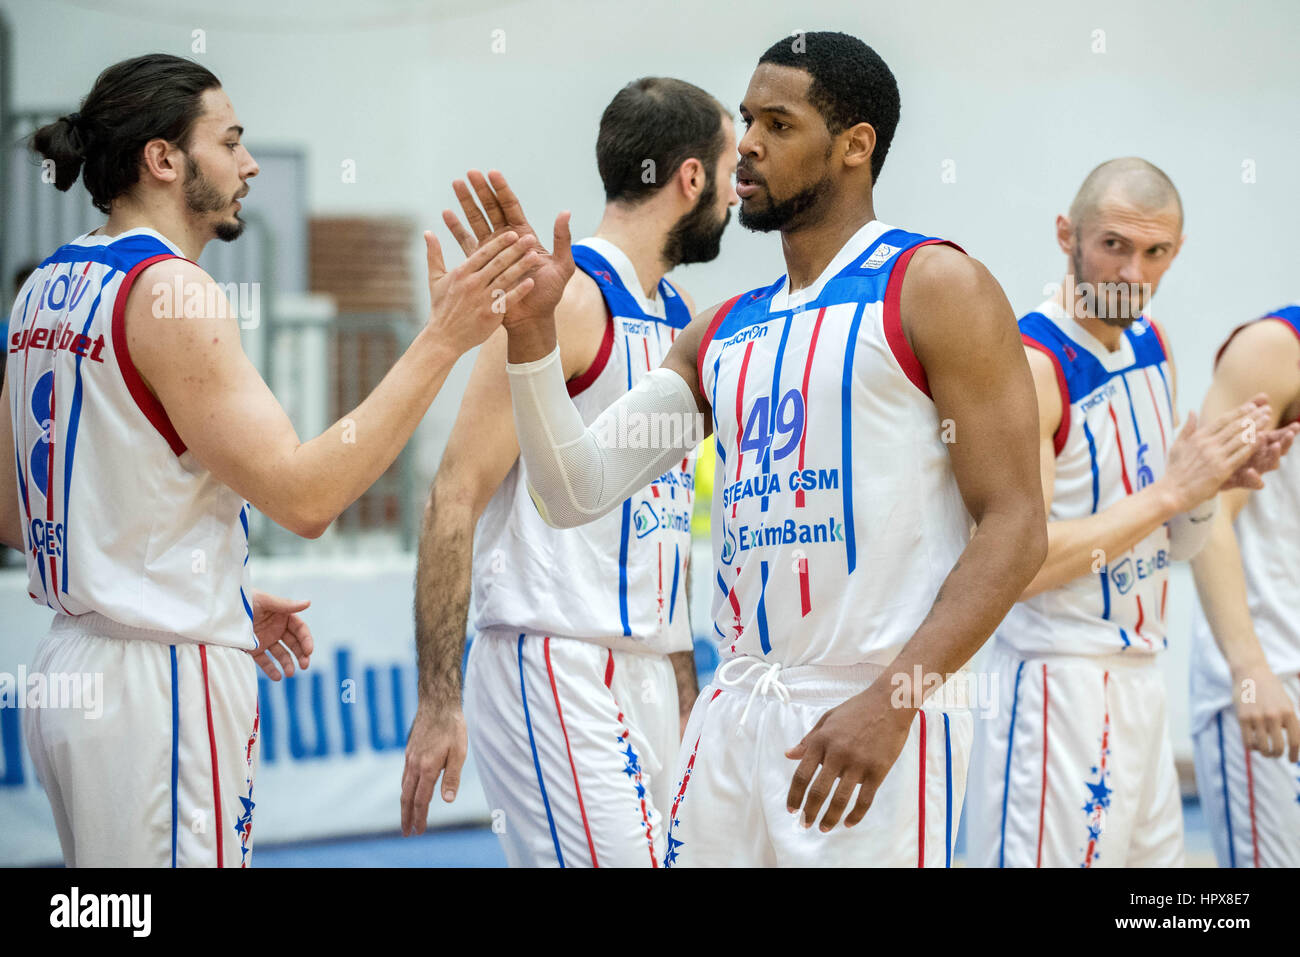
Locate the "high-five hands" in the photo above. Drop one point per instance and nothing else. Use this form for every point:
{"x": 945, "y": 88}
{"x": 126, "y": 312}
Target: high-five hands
{"x": 501, "y": 214}
{"x": 468, "y": 303}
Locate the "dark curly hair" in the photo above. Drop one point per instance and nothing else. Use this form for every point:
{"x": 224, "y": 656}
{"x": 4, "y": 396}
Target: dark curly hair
{"x": 156, "y": 96}
{"x": 850, "y": 84}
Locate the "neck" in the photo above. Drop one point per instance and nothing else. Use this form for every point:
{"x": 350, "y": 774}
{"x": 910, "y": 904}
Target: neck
{"x": 810, "y": 249}
{"x": 1112, "y": 337}
{"x": 640, "y": 233}
{"x": 161, "y": 218}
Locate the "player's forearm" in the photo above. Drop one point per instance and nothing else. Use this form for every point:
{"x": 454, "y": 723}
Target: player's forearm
{"x": 11, "y": 522}
{"x": 442, "y": 589}
{"x": 331, "y": 471}
{"x": 1221, "y": 584}
{"x": 687, "y": 683}
{"x": 578, "y": 473}
{"x": 1077, "y": 547}
{"x": 987, "y": 579}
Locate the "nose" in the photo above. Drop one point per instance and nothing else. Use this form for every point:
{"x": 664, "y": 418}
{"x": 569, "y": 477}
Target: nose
{"x": 748, "y": 144}
{"x": 1131, "y": 270}
{"x": 251, "y": 168}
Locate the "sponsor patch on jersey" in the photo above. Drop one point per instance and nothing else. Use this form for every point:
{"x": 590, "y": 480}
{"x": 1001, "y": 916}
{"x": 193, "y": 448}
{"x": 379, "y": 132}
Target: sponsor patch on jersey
{"x": 644, "y": 520}
{"x": 884, "y": 252}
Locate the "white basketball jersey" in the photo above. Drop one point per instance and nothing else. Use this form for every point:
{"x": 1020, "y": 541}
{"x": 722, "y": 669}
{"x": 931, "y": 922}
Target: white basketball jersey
{"x": 1116, "y": 427}
{"x": 836, "y": 515}
{"x": 118, "y": 517}
{"x": 619, "y": 581}
{"x": 1268, "y": 534}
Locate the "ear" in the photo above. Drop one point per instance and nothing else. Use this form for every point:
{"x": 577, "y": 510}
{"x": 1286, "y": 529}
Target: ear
{"x": 859, "y": 143}
{"x": 691, "y": 178}
{"x": 161, "y": 160}
{"x": 1065, "y": 234}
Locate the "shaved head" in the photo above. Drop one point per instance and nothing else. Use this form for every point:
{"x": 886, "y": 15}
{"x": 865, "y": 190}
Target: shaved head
{"x": 1130, "y": 180}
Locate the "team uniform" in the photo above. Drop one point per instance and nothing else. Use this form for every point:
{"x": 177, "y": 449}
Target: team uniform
{"x": 142, "y": 554}
{"x": 836, "y": 517}
{"x": 570, "y": 698}
{"x": 1076, "y": 766}
{"x": 1252, "y": 803}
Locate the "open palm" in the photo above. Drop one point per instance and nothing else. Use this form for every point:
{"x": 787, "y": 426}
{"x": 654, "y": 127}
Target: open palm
{"x": 491, "y": 208}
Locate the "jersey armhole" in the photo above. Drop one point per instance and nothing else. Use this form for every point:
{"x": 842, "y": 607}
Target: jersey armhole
{"x": 146, "y": 401}
{"x": 1063, "y": 429}
{"x": 579, "y": 384}
{"x": 709, "y": 333}
{"x": 893, "y": 317}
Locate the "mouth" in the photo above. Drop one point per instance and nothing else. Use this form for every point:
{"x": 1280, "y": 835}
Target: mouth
{"x": 746, "y": 184}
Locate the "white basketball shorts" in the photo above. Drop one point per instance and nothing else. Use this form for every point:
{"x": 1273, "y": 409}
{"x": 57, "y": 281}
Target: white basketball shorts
{"x": 162, "y": 776}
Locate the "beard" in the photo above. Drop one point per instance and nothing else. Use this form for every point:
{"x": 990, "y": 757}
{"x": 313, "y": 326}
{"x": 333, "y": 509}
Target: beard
{"x": 202, "y": 196}
{"x": 784, "y": 214}
{"x": 1116, "y": 304}
{"x": 697, "y": 236}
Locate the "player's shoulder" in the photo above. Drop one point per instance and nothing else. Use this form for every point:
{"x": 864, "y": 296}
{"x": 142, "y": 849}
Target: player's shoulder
{"x": 169, "y": 271}
{"x": 176, "y": 288}
{"x": 1264, "y": 334}
{"x": 943, "y": 271}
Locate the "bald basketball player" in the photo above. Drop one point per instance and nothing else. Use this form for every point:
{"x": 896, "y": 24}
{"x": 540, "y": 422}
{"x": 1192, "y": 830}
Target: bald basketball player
{"x": 1076, "y": 768}
{"x": 1245, "y": 672}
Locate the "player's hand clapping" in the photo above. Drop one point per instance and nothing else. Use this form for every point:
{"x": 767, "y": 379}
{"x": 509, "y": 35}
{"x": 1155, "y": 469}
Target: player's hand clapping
{"x": 1270, "y": 446}
{"x": 1206, "y": 456}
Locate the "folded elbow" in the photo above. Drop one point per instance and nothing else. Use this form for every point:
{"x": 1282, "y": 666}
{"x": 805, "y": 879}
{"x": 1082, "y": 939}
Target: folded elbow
{"x": 565, "y": 518}
{"x": 304, "y": 522}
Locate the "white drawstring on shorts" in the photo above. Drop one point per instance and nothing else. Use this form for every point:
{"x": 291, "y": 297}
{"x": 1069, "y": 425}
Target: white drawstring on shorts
{"x": 769, "y": 681}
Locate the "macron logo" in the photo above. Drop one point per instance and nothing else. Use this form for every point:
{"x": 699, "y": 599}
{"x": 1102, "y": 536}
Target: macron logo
{"x": 881, "y": 256}
{"x": 102, "y": 910}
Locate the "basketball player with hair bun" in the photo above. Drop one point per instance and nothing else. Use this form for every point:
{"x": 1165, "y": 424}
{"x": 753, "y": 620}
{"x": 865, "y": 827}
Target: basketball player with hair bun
{"x": 138, "y": 438}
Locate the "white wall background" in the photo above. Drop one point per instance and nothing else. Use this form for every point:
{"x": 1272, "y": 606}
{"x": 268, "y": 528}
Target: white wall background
{"x": 1014, "y": 93}
{"x": 1010, "y": 91}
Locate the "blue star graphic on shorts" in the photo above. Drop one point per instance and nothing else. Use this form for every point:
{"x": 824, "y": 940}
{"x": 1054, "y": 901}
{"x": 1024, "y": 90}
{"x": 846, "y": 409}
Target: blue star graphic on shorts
{"x": 1094, "y": 833}
{"x": 640, "y": 790}
{"x": 671, "y": 856}
{"x": 633, "y": 762}
{"x": 1100, "y": 794}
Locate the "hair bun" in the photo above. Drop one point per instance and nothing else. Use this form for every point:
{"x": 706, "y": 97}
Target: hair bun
{"x": 76, "y": 133}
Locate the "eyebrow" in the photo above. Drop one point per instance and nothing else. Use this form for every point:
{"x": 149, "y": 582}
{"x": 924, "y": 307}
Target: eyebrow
{"x": 774, "y": 108}
{"x": 239, "y": 130}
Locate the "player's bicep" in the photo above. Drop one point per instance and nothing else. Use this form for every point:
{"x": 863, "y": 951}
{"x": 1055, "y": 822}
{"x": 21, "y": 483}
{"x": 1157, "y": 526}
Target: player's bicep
{"x": 1262, "y": 357}
{"x": 214, "y": 397}
{"x": 965, "y": 335}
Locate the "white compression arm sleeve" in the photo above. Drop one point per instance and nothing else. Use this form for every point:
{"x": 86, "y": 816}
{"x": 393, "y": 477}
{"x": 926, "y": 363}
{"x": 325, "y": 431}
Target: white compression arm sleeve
{"x": 577, "y": 474}
{"x": 1190, "y": 530}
